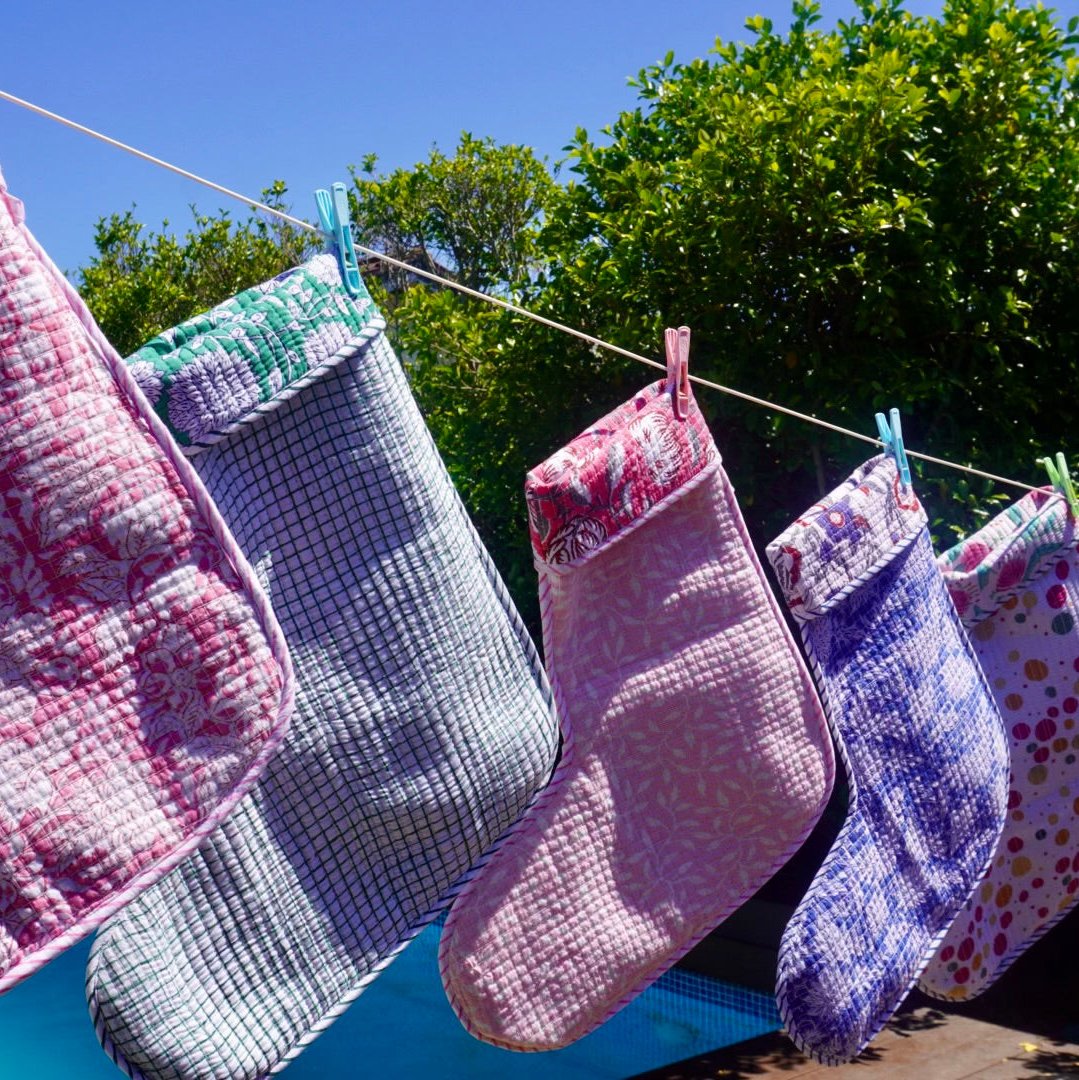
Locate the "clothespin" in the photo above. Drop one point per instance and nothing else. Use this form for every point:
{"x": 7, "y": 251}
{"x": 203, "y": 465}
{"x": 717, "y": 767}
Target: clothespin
{"x": 677, "y": 343}
{"x": 1060, "y": 478}
{"x": 334, "y": 217}
{"x": 892, "y": 437}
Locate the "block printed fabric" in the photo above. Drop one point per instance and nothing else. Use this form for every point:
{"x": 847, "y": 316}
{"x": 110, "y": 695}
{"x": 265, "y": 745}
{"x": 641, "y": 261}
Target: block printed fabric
{"x": 696, "y": 757}
{"x": 1016, "y": 587}
{"x": 143, "y": 682}
{"x": 925, "y": 754}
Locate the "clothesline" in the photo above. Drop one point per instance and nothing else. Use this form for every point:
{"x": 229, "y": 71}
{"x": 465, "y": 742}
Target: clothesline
{"x": 505, "y": 304}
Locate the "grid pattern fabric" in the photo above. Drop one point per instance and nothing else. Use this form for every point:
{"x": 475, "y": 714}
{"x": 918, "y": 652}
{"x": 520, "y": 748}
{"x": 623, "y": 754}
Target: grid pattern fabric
{"x": 143, "y": 684}
{"x": 423, "y": 728}
{"x": 696, "y": 755}
{"x": 923, "y": 744}
{"x": 1015, "y": 584}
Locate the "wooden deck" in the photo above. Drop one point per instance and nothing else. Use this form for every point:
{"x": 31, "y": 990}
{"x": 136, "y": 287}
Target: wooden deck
{"x": 923, "y": 1044}
{"x": 1025, "y": 1027}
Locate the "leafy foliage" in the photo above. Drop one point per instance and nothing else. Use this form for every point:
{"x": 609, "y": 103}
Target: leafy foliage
{"x": 142, "y": 282}
{"x": 471, "y": 216}
{"x": 881, "y": 214}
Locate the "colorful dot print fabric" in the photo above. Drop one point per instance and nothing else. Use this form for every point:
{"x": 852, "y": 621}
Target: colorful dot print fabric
{"x": 1016, "y": 587}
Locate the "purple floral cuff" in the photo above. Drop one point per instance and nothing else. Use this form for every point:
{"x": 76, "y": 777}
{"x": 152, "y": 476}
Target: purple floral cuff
{"x": 843, "y": 540}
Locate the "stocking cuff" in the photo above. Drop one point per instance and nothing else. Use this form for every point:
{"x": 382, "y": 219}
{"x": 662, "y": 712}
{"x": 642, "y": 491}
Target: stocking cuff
{"x": 610, "y": 476}
{"x": 223, "y": 369}
{"x": 1003, "y": 558}
{"x": 842, "y": 541}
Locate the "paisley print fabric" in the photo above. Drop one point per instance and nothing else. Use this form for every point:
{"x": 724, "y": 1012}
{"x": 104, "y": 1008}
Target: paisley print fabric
{"x": 925, "y": 753}
{"x": 695, "y": 755}
{"x": 141, "y": 688}
{"x": 1016, "y": 586}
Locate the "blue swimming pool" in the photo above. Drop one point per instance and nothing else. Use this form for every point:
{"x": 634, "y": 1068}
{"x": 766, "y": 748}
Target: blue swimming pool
{"x": 402, "y": 1026}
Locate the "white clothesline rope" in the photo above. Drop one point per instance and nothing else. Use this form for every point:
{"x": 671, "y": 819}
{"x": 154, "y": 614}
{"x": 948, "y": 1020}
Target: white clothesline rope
{"x": 505, "y": 304}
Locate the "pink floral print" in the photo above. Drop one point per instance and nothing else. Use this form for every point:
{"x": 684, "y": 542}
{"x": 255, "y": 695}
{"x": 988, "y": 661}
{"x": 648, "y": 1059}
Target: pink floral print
{"x": 138, "y": 688}
{"x": 613, "y": 473}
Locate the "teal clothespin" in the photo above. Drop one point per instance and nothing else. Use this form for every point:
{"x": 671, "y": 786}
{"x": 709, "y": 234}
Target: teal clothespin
{"x": 892, "y": 437}
{"x": 334, "y": 217}
{"x": 1060, "y": 478}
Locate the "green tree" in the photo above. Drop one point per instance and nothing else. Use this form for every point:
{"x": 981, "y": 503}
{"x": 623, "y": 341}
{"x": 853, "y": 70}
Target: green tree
{"x": 471, "y": 216}
{"x": 880, "y": 214}
{"x": 141, "y": 282}
{"x": 884, "y": 214}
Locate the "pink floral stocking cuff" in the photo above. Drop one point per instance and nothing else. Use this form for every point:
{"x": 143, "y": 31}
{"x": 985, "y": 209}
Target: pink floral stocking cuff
{"x": 608, "y": 478}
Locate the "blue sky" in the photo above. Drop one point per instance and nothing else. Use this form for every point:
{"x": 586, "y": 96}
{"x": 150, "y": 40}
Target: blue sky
{"x": 246, "y": 92}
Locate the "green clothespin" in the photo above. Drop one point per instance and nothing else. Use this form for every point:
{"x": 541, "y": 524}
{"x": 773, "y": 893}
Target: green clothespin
{"x": 1060, "y": 478}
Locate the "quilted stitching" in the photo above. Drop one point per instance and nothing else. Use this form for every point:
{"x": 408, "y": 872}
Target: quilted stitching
{"x": 609, "y": 477}
{"x": 423, "y": 727}
{"x": 695, "y": 756}
{"x": 925, "y": 754}
{"x": 1017, "y": 581}
{"x": 139, "y": 692}
{"x": 216, "y": 372}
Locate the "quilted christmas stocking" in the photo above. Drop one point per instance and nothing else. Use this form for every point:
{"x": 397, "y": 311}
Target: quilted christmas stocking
{"x": 143, "y": 681}
{"x": 695, "y": 759}
{"x": 423, "y": 723}
{"x": 1016, "y": 587}
{"x": 925, "y": 754}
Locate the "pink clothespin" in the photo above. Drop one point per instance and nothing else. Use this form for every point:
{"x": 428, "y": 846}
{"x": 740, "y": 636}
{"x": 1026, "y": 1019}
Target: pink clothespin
{"x": 677, "y": 342}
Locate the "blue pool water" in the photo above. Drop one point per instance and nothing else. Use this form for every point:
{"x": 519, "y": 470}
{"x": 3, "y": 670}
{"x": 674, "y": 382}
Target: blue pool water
{"x": 403, "y": 1026}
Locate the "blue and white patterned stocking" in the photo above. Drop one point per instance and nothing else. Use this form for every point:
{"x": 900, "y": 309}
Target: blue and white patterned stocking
{"x": 423, "y": 723}
{"x": 924, "y": 749}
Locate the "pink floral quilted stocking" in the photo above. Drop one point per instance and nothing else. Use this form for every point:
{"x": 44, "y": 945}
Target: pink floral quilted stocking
{"x": 1016, "y": 587}
{"x": 144, "y": 683}
{"x": 696, "y": 757}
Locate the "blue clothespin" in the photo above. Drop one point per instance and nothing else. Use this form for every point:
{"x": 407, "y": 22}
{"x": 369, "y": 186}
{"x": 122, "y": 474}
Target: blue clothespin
{"x": 1060, "y": 478}
{"x": 892, "y": 437}
{"x": 334, "y": 217}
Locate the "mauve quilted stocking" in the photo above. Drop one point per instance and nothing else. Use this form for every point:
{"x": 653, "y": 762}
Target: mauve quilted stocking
{"x": 423, "y": 721}
{"x": 695, "y": 757}
{"x": 1016, "y": 587}
{"x": 925, "y": 753}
